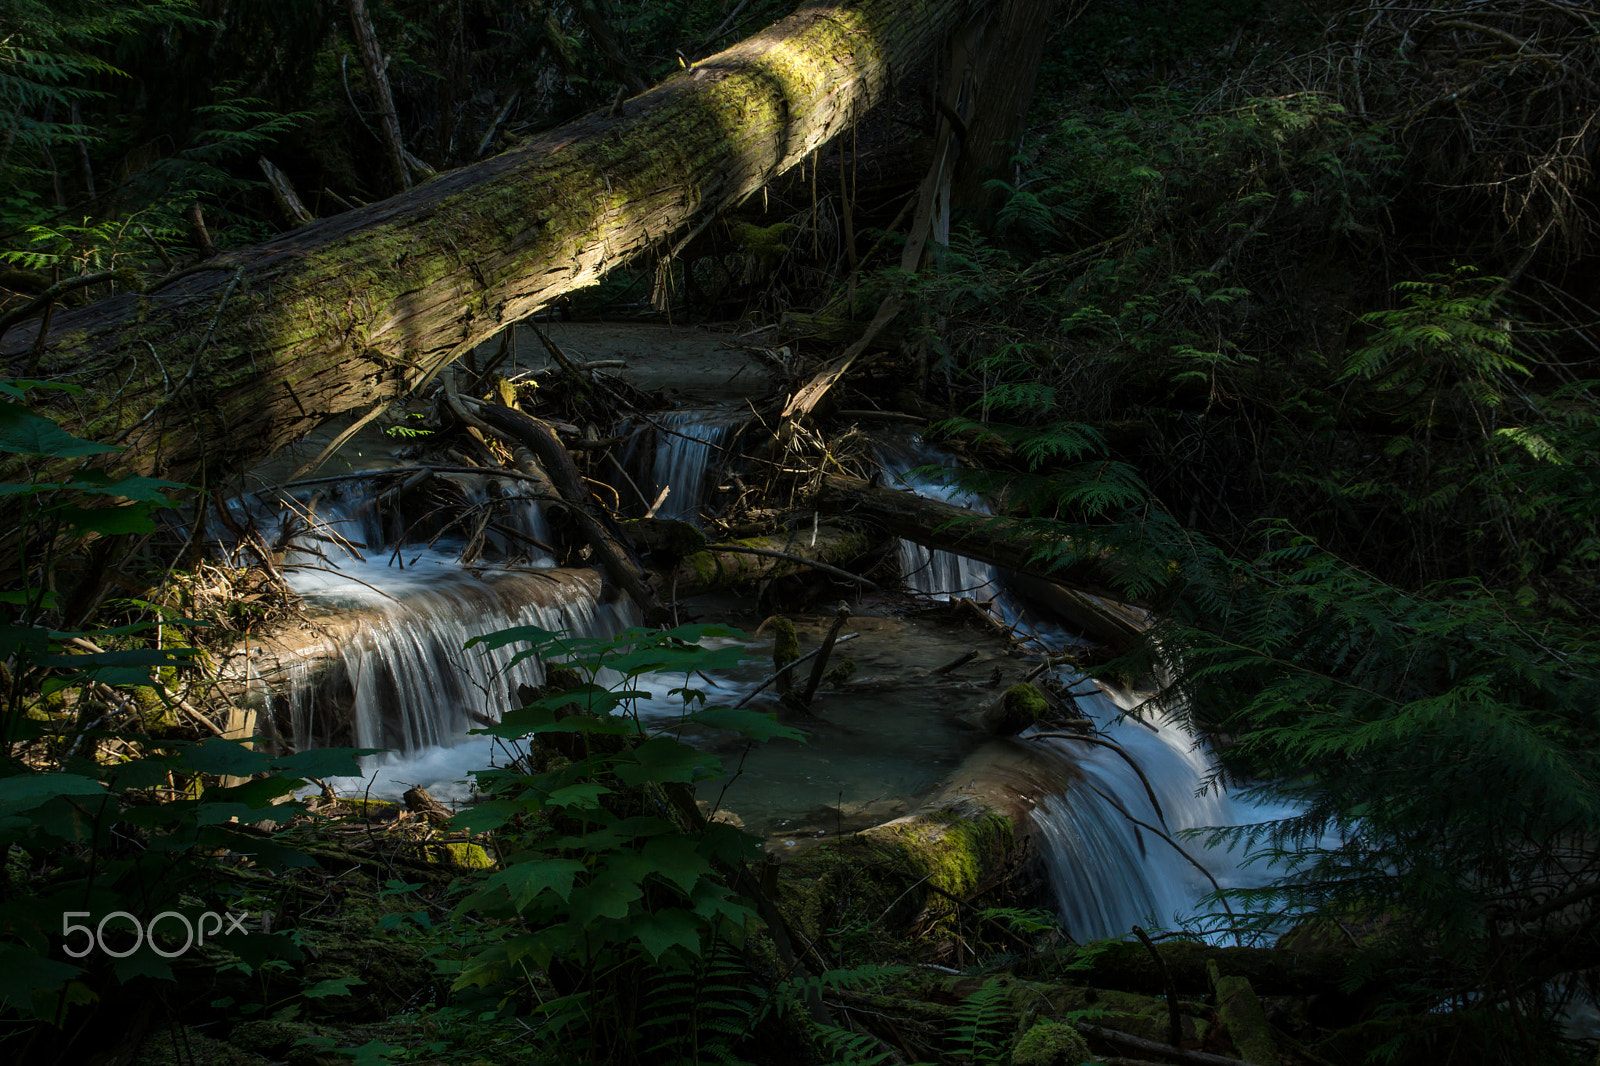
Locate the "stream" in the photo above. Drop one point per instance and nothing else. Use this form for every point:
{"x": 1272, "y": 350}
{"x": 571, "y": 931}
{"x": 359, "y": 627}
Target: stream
{"x": 392, "y": 597}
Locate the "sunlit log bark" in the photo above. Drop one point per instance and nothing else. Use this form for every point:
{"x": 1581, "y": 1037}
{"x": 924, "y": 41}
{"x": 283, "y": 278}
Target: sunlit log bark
{"x": 224, "y": 365}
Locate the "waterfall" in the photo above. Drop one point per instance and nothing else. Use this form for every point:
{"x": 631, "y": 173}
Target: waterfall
{"x": 411, "y": 682}
{"x": 686, "y": 444}
{"x": 398, "y": 607}
{"x": 932, "y": 573}
{"x": 1109, "y": 874}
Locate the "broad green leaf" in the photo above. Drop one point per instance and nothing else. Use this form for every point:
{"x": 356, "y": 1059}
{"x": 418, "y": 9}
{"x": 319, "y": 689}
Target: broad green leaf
{"x": 143, "y": 963}
{"x": 524, "y": 881}
{"x": 24, "y": 792}
{"x": 665, "y": 759}
{"x": 132, "y": 487}
{"x": 332, "y": 986}
{"x": 26, "y": 640}
{"x": 108, "y": 521}
{"x": 22, "y": 971}
{"x": 754, "y": 725}
{"x": 482, "y": 817}
{"x": 677, "y": 859}
{"x": 127, "y": 657}
{"x": 516, "y": 635}
{"x": 667, "y": 928}
{"x": 21, "y": 430}
{"x": 607, "y": 895}
{"x": 219, "y": 756}
{"x": 323, "y": 762}
{"x": 584, "y": 795}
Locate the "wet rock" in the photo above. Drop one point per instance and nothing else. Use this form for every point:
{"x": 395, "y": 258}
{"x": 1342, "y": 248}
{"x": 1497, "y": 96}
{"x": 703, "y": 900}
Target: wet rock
{"x": 1019, "y": 707}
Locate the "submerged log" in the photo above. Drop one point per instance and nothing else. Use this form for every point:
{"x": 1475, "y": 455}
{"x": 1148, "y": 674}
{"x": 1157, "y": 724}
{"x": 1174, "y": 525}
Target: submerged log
{"x": 255, "y": 348}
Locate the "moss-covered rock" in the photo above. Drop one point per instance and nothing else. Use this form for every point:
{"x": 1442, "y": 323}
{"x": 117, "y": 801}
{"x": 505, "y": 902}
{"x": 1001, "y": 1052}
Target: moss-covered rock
{"x": 842, "y": 672}
{"x": 468, "y": 856}
{"x": 887, "y": 875}
{"x": 1019, "y": 707}
{"x": 1050, "y": 1044}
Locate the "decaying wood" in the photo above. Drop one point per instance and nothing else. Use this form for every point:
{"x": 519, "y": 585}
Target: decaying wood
{"x": 294, "y": 212}
{"x": 377, "y": 67}
{"x": 359, "y": 308}
{"x": 992, "y": 539}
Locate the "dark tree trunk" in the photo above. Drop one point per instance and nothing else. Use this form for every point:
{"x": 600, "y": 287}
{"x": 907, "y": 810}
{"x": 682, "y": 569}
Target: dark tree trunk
{"x": 1007, "y": 69}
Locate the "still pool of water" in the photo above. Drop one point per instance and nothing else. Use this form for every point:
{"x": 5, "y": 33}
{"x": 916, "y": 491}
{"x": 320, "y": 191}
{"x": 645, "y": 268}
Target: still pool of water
{"x": 873, "y": 746}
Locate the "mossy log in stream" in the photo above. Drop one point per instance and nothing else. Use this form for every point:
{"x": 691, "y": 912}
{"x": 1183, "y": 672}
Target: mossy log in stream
{"x": 226, "y": 363}
{"x": 1084, "y": 593}
{"x": 710, "y": 570}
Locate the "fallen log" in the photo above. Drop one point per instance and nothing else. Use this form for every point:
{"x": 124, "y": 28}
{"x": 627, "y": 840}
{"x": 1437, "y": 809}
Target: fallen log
{"x": 1078, "y": 592}
{"x": 756, "y": 559}
{"x": 224, "y": 363}
{"x": 1128, "y": 965}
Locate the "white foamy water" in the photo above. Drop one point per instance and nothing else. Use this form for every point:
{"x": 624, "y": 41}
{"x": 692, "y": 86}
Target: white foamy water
{"x": 1109, "y": 873}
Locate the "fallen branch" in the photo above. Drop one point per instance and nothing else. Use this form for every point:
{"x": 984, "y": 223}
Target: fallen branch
{"x": 839, "y": 619}
{"x": 1139, "y": 1043}
{"x": 789, "y": 667}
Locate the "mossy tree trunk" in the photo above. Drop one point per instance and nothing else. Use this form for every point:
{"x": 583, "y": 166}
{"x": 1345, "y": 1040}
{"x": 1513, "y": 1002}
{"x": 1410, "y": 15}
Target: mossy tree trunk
{"x": 224, "y": 365}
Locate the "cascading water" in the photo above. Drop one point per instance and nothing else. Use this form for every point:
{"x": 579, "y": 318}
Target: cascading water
{"x": 393, "y": 585}
{"x": 391, "y": 588}
{"x": 688, "y": 444}
{"x": 929, "y": 572}
{"x": 1106, "y": 871}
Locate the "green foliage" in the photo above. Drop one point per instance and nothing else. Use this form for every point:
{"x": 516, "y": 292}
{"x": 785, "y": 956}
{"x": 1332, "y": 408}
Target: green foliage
{"x": 984, "y": 1022}
{"x": 1436, "y": 750}
{"x": 96, "y": 817}
{"x": 623, "y": 887}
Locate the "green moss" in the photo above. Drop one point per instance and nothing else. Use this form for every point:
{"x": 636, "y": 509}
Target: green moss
{"x": 1026, "y": 699}
{"x": 153, "y": 710}
{"x": 469, "y": 856}
{"x": 1050, "y": 1044}
{"x": 843, "y": 671}
{"x": 785, "y": 643}
{"x": 373, "y": 809}
{"x": 785, "y": 650}
{"x": 766, "y": 243}
{"x": 881, "y": 876}
{"x": 704, "y": 564}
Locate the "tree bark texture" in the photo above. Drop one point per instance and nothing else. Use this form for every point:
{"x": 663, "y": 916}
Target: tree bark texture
{"x": 221, "y": 366}
{"x": 377, "y": 67}
{"x": 1006, "y": 72}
